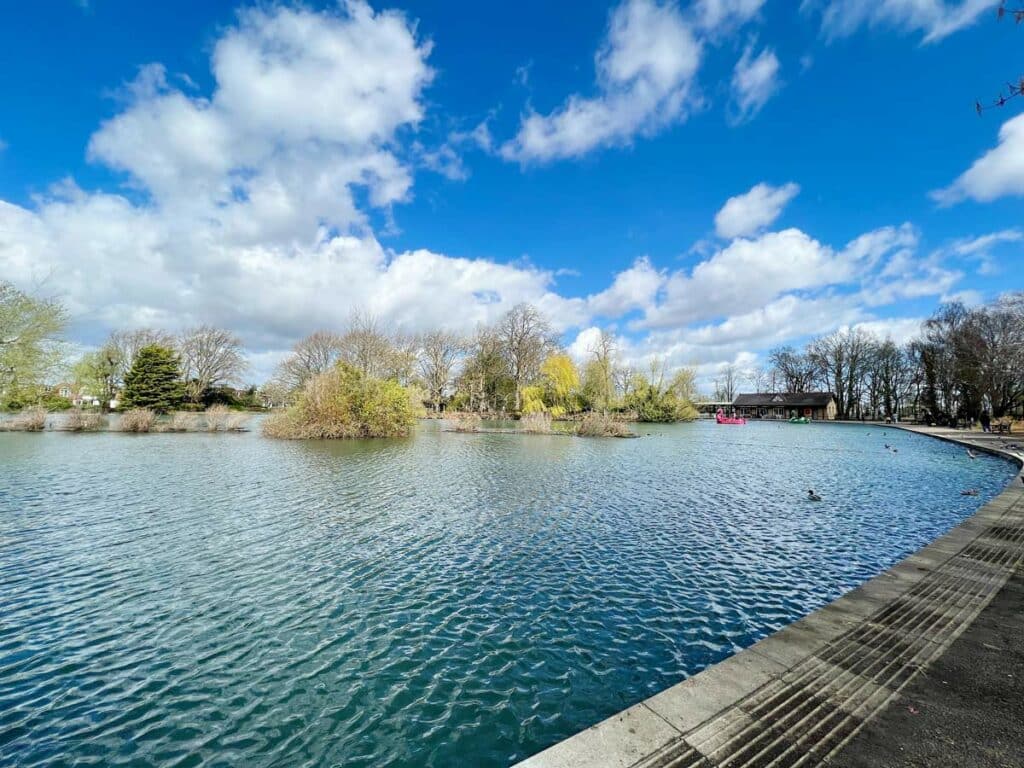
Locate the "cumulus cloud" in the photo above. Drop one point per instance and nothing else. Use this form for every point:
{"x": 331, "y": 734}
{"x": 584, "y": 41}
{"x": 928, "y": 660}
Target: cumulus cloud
{"x": 249, "y": 206}
{"x": 933, "y": 19}
{"x": 755, "y": 80}
{"x": 645, "y": 81}
{"x": 244, "y": 211}
{"x": 752, "y": 211}
{"x": 633, "y": 288}
{"x": 997, "y": 173}
{"x": 754, "y": 272}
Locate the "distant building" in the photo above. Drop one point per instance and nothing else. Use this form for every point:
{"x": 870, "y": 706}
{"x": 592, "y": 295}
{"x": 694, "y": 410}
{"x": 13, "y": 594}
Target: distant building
{"x": 819, "y": 406}
{"x": 78, "y": 397}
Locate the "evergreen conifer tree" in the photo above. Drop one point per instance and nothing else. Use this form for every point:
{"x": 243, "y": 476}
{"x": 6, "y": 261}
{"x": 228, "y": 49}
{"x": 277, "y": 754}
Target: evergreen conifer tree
{"x": 154, "y": 380}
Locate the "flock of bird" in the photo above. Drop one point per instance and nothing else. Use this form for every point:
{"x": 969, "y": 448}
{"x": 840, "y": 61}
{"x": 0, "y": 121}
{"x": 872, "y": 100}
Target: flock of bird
{"x": 813, "y": 496}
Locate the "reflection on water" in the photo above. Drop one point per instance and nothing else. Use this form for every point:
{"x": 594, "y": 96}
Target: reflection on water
{"x": 448, "y": 599}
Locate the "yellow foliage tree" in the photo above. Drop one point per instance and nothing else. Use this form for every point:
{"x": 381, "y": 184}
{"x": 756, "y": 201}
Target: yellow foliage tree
{"x": 561, "y": 384}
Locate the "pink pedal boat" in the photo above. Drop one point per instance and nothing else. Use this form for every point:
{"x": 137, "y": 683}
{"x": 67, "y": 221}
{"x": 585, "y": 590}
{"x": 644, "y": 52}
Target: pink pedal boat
{"x": 721, "y": 418}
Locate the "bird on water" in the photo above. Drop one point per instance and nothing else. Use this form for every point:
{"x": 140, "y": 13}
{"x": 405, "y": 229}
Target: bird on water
{"x": 812, "y": 496}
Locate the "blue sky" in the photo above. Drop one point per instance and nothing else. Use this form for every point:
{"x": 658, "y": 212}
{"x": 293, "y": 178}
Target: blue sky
{"x": 272, "y": 167}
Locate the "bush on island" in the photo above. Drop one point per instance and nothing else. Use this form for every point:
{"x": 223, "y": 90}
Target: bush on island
{"x": 468, "y": 422}
{"x": 343, "y": 403}
{"x": 31, "y": 419}
{"x": 82, "y": 421}
{"x": 137, "y": 420}
{"x": 536, "y": 423}
{"x": 655, "y": 405}
{"x": 596, "y": 424}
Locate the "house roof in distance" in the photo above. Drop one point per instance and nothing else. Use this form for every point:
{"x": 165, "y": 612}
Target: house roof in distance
{"x": 785, "y": 399}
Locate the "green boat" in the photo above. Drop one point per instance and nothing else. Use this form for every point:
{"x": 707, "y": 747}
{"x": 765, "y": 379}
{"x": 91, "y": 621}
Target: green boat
{"x": 799, "y": 420}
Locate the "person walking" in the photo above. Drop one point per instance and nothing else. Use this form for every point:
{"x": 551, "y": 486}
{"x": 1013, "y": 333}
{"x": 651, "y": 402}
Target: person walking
{"x": 986, "y": 422}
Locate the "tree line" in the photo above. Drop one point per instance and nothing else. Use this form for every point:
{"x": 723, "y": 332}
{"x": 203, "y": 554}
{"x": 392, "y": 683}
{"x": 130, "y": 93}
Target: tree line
{"x": 966, "y": 361}
{"x": 513, "y": 366}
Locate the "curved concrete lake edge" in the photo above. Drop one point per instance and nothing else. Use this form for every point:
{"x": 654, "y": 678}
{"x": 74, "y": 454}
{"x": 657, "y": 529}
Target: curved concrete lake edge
{"x": 799, "y": 695}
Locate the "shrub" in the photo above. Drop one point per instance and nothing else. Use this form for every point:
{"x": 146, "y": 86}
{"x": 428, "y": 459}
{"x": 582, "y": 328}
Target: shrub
{"x": 79, "y": 421}
{"x": 236, "y": 422}
{"x": 343, "y": 403}
{"x": 138, "y": 420}
{"x": 653, "y": 405}
{"x": 183, "y": 422}
{"x": 32, "y": 419}
{"x": 467, "y": 422}
{"x": 217, "y": 418}
{"x": 596, "y": 424}
{"x": 536, "y": 423}
{"x": 55, "y": 403}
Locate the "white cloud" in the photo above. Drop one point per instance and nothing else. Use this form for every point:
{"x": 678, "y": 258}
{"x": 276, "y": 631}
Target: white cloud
{"x": 755, "y": 80}
{"x": 581, "y": 349}
{"x": 633, "y": 288}
{"x": 934, "y": 19}
{"x": 305, "y": 108}
{"x": 997, "y": 173}
{"x": 980, "y": 245}
{"x": 899, "y": 329}
{"x": 719, "y": 15}
{"x": 753, "y": 273}
{"x": 750, "y": 212}
{"x": 249, "y": 205}
{"x": 249, "y": 216}
{"x": 645, "y": 80}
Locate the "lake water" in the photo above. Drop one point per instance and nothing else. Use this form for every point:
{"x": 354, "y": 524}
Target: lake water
{"x": 450, "y": 599}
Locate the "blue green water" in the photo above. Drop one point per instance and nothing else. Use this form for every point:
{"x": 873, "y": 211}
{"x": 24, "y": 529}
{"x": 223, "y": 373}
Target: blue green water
{"x": 450, "y": 599}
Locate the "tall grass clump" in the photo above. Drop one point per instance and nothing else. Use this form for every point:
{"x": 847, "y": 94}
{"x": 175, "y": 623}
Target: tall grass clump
{"x": 467, "y": 422}
{"x": 32, "y": 419}
{"x": 216, "y": 417}
{"x": 236, "y": 422}
{"x": 596, "y": 424}
{"x": 78, "y": 420}
{"x": 343, "y": 403}
{"x": 181, "y": 421}
{"x": 537, "y": 423}
{"x": 138, "y": 420}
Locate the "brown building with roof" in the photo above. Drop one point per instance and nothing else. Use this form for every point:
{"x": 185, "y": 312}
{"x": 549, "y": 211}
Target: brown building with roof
{"x": 820, "y": 406}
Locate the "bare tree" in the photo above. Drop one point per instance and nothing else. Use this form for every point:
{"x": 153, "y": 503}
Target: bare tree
{"x": 761, "y": 377}
{"x": 485, "y": 378}
{"x": 439, "y": 353}
{"x": 842, "y": 361}
{"x": 599, "y": 372}
{"x": 210, "y": 357}
{"x": 367, "y": 346}
{"x": 793, "y": 368}
{"x": 1015, "y": 88}
{"x": 892, "y": 378}
{"x": 314, "y": 354}
{"x": 726, "y": 383}
{"x": 526, "y": 339}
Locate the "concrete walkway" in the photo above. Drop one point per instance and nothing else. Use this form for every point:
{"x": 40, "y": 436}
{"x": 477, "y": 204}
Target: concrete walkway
{"x": 838, "y": 685}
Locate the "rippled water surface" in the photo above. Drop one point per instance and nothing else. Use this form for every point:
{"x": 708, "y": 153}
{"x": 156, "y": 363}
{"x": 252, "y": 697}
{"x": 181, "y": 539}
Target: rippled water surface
{"x": 451, "y": 599}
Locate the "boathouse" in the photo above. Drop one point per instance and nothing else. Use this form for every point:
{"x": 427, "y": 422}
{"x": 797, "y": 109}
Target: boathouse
{"x": 819, "y": 406}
